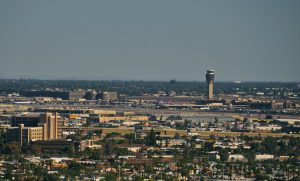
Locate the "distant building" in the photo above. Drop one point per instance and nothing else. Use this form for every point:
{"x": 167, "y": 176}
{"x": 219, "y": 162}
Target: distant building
{"x": 105, "y": 112}
{"x": 172, "y": 133}
{"x": 289, "y": 121}
{"x": 23, "y": 134}
{"x": 89, "y": 144}
{"x": 168, "y": 132}
{"x": 50, "y": 121}
{"x": 210, "y": 76}
{"x": 288, "y": 105}
{"x": 109, "y": 96}
{"x": 94, "y": 118}
{"x": 76, "y": 94}
{"x": 29, "y": 120}
{"x": 91, "y": 95}
{"x": 123, "y": 118}
{"x": 262, "y": 157}
{"x": 55, "y": 145}
{"x": 120, "y": 130}
{"x": 236, "y": 157}
{"x": 65, "y": 95}
{"x": 26, "y": 128}
{"x": 56, "y": 94}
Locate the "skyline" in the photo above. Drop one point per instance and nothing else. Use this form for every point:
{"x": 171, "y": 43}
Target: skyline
{"x": 132, "y": 40}
{"x": 133, "y": 80}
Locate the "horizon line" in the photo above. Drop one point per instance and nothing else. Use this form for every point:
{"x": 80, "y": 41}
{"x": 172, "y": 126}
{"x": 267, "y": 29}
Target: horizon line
{"x": 141, "y": 80}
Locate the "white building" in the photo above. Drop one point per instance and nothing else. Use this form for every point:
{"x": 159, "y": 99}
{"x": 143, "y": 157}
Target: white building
{"x": 263, "y": 157}
{"x": 236, "y": 157}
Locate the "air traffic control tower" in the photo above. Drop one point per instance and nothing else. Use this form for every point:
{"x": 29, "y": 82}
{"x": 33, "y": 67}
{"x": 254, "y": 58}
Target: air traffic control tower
{"x": 210, "y": 76}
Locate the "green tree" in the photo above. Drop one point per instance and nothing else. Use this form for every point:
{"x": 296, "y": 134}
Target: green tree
{"x": 112, "y": 135}
{"x": 130, "y": 137}
{"x": 35, "y": 150}
{"x": 177, "y": 136}
{"x": 151, "y": 138}
{"x": 2, "y": 142}
{"x": 25, "y": 148}
{"x": 13, "y": 148}
{"x": 224, "y": 155}
{"x": 208, "y": 146}
{"x": 74, "y": 168}
{"x": 110, "y": 177}
{"x": 138, "y": 178}
{"x": 70, "y": 150}
{"x": 107, "y": 150}
{"x": 7, "y": 173}
{"x": 51, "y": 177}
{"x": 152, "y": 118}
{"x": 250, "y": 156}
{"x": 122, "y": 151}
{"x": 96, "y": 154}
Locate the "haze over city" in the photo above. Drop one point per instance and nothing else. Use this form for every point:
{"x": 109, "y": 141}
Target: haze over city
{"x": 150, "y": 40}
{"x": 171, "y": 90}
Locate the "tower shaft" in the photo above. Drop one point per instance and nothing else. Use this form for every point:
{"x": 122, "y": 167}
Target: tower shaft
{"x": 210, "y": 76}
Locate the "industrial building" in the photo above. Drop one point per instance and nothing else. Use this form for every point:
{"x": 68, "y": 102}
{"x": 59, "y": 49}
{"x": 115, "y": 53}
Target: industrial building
{"x": 109, "y": 96}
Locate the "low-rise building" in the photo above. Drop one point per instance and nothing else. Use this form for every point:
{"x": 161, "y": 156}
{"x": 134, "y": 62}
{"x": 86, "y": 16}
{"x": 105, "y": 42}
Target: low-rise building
{"x": 261, "y": 157}
{"x": 54, "y": 145}
{"x": 120, "y": 130}
{"x": 236, "y": 157}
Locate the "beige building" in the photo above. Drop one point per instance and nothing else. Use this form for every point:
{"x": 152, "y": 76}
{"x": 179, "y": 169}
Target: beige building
{"x": 123, "y": 118}
{"x": 167, "y": 132}
{"x": 109, "y": 96}
{"x": 236, "y": 157}
{"x": 23, "y": 134}
{"x": 105, "y": 112}
{"x": 29, "y": 128}
{"x": 172, "y": 132}
{"x": 264, "y": 157}
{"x": 50, "y": 123}
{"x": 210, "y": 75}
{"x": 121, "y": 130}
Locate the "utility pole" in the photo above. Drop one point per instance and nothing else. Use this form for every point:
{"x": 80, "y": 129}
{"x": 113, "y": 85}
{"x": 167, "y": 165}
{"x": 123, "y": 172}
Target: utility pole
{"x": 161, "y": 154}
{"x": 223, "y": 165}
{"x": 161, "y": 173}
{"x": 119, "y": 172}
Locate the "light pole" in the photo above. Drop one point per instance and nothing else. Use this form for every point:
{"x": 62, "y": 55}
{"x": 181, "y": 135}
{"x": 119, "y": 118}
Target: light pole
{"x": 223, "y": 165}
{"x": 119, "y": 171}
{"x": 161, "y": 175}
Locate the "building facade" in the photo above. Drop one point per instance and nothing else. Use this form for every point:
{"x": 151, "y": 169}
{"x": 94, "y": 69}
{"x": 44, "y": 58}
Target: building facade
{"x": 210, "y": 76}
{"x": 27, "y": 128}
{"x": 109, "y": 96}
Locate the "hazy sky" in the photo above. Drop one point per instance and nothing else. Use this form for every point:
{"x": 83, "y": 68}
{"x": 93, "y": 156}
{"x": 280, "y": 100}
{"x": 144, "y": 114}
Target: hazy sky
{"x": 254, "y": 40}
